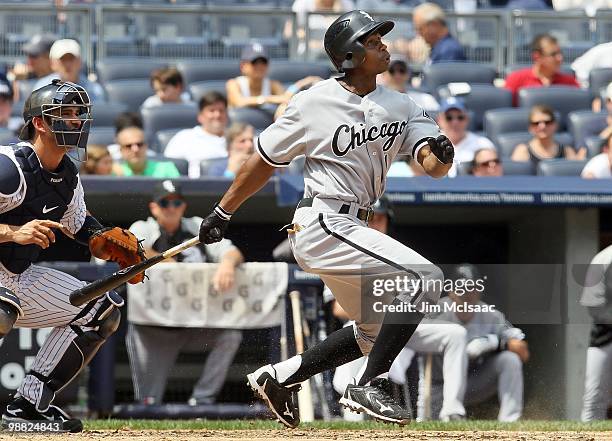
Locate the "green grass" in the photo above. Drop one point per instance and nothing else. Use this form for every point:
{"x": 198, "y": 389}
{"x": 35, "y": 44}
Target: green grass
{"x": 545, "y": 426}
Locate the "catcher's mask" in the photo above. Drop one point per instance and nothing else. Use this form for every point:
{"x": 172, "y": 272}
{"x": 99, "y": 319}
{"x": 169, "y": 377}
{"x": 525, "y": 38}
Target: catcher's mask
{"x": 51, "y": 102}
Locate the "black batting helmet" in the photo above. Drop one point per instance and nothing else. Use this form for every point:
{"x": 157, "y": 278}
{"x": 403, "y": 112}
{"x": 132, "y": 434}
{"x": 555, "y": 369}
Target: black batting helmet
{"x": 342, "y": 38}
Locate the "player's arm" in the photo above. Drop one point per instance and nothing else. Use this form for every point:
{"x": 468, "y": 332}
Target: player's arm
{"x": 436, "y": 157}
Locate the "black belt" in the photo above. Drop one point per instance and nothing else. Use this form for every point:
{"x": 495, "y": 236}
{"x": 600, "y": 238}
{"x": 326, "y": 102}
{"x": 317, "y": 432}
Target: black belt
{"x": 363, "y": 214}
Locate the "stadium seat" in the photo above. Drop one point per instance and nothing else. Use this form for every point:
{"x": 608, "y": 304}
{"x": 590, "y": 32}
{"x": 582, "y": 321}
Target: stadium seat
{"x": 163, "y": 137}
{"x": 178, "y": 47}
{"x": 436, "y": 75}
{"x": 111, "y": 69}
{"x": 196, "y": 71}
{"x": 518, "y": 168}
{"x": 168, "y": 116}
{"x": 201, "y": 87}
{"x": 482, "y": 97}
{"x": 104, "y": 114}
{"x": 259, "y": 119}
{"x": 291, "y": 71}
{"x": 101, "y": 135}
{"x": 584, "y": 124}
{"x": 207, "y": 164}
{"x": 594, "y": 145}
{"x": 181, "y": 164}
{"x": 509, "y": 120}
{"x": 560, "y": 167}
{"x": 506, "y": 142}
{"x": 130, "y": 92}
{"x": 599, "y": 79}
{"x": 563, "y": 99}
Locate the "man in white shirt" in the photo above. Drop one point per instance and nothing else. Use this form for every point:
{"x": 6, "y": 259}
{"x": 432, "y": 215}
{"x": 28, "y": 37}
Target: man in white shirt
{"x": 600, "y": 166}
{"x": 454, "y": 120}
{"x": 205, "y": 141}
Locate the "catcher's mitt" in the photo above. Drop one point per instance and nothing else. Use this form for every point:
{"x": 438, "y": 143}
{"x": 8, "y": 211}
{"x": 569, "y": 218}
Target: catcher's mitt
{"x": 118, "y": 245}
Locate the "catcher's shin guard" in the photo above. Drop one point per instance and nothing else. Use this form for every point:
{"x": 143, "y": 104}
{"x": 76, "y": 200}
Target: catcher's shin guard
{"x": 82, "y": 348}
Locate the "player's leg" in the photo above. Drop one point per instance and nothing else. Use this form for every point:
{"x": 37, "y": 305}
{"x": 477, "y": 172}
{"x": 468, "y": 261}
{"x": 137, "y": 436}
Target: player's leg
{"x": 77, "y": 335}
{"x": 597, "y": 383}
{"x": 509, "y": 368}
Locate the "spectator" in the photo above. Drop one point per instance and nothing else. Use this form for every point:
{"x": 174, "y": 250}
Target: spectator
{"x": 487, "y": 163}
{"x": 99, "y": 161}
{"x": 240, "y": 147}
{"x": 6, "y": 107}
{"x": 205, "y": 141}
{"x": 397, "y": 77}
{"x": 496, "y": 349}
{"x": 600, "y": 166}
{"x": 545, "y": 71}
{"x": 123, "y": 120}
{"x": 168, "y": 85}
{"x": 605, "y": 133}
{"x": 66, "y": 63}
{"x": 596, "y": 57}
{"x": 153, "y": 349}
{"x": 454, "y": 119}
{"x": 430, "y": 23}
{"x": 543, "y": 126}
{"x": 134, "y": 148}
{"x": 38, "y": 64}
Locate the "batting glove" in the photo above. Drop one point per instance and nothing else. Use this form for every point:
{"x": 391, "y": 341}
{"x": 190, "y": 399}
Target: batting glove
{"x": 213, "y": 226}
{"x": 481, "y": 345}
{"x": 442, "y": 148}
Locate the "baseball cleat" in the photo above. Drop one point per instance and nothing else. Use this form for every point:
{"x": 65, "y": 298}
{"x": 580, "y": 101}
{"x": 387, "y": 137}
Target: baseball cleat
{"x": 280, "y": 399}
{"x": 375, "y": 401}
{"x": 21, "y": 416}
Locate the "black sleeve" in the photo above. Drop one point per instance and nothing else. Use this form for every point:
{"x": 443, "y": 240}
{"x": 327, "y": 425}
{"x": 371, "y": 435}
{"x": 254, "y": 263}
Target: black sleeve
{"x": 9, "y": 176}
{"x": 90, "y": 226}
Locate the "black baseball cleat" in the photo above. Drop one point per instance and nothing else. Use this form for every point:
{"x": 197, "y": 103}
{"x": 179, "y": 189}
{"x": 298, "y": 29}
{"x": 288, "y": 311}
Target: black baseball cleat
{"x": 21, "y": 415}
{"x": 375, "y": 401}
{"x": 280, "y": 399}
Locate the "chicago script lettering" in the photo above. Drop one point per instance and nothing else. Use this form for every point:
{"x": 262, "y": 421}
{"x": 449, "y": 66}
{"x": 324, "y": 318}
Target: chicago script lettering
{"x": 358, "y": 135}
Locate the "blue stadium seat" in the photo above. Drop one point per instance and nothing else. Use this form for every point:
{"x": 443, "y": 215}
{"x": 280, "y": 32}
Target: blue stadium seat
{"x": 563, "y": 99}
{"x": 508, "y": 120}
{"x": 482, "y": 97}
{"x": 584, "y": 124}
{"x": 130, "y": 92}
{"x": 516, "y": 168}
{"x": 101, "y": 135}
{"x": 259, "y": 119}
{"x": 201, "y": 87}
{"x": 104, "y": 114}
{"x": 436, "y": 75}
{"x": 168, "y": 116}
{"x": 181, "y": 164}
{"x": 111, "y": 69}
{"x": 291, "y": 71}
{"x": 560, "y": 167}
{"x": 594, "y": 145}
{"x": 178, "y": 47}
{"x": 506, "y": 142}
{"x": 196, "y": 71}
{"x": 207, "y": 164}
{"x": 163, "y": 137}
{"x": 599, "y": 79}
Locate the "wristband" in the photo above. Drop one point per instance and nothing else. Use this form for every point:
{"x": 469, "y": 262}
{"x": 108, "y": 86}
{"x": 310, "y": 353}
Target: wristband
{"x": 225, "y": 215}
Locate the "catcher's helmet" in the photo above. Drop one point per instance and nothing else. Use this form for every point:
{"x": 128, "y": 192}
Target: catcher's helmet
{"x": 47, "y": 102}
{"x": 342, "y": 38}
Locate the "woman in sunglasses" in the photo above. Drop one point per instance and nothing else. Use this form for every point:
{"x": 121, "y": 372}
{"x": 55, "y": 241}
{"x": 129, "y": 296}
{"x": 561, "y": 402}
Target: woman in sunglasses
{"x": 543, "y": 126}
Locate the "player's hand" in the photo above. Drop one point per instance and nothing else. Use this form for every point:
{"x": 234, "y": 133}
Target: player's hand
{"x": 481, "y": 345}
{"x": 519, "y": 347}
{"x": 212, "y": 228}
{"x": 442, "y": 148}
{"x": 37, "y": 232}
{"x": 224, "y": 277}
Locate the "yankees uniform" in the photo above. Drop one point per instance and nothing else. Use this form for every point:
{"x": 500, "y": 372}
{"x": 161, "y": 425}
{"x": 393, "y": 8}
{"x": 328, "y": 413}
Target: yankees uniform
{"x": 32, "y": 296}
{"x": 597, "y": 296}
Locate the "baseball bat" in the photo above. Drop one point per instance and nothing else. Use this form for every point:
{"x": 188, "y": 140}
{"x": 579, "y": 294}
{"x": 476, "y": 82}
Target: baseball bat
{"x": 305, "y": 394}
{"x": 427, "y": 391}
{"x": 99, "y": 287}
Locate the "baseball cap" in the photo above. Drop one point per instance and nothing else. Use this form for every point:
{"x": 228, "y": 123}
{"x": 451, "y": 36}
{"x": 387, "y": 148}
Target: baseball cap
{"x": 63, "y": 47}
{"x": 252, "y": 52}
{"x": 452, "y": 103}
{"x": 166, "y": 188}
{"x": 38, "y": 44}
{"x": 6, "y": 89}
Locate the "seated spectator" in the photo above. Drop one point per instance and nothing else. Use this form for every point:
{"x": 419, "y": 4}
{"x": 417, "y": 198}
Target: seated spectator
{"x": 240, "y": 147}
{"x": 168, "y": 85}
{"x": 605, "y": 133}
{"x": 600, "y": 166}
{"x": 123, "y": 120}
{"x": 543, "y": 126}
{"x": 545, "y": 71}
{"x": 153, "y": 349}
{"x": 6, "y": 107}
{"x": 596, "y": 57}
{"x": 205, "y": 141}
{"x": 454, "y": 119}
{"x": 66, "y": 63}
{"x": 99, "y": 162}
{"x": 429, "y": 21}
{"x": 487, "y": 163}
{"x": 134, "y": 148}
{"x": 38, "y": 64}
{"x": 397, "y": 77}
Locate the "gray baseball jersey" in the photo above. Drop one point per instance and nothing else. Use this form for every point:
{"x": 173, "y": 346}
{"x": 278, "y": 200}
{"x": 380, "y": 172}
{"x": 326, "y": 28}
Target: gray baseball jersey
{"x": 349, "y": 141}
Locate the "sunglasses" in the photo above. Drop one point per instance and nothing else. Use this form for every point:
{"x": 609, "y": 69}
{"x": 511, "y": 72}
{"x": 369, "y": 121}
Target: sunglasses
{"x": 165, "y": 203}
{"x": 546, "y": 122}
{"x": 489, "y": 163}
{"x": 140, "y": 145}
{"x": 450, "y": 118}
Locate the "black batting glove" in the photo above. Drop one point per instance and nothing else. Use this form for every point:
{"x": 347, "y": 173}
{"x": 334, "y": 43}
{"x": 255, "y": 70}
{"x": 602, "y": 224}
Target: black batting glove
{"x": 442, "y": 148}
{"x": 213, "y": 226}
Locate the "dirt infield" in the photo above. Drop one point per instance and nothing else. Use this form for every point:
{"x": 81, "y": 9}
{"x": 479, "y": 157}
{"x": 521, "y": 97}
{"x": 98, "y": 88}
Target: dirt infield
{"x": 308, "y": 435}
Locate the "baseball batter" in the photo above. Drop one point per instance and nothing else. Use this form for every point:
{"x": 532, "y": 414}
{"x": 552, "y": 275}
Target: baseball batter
{"x": 350, "y": 131}
{"x": 40, "y": 196}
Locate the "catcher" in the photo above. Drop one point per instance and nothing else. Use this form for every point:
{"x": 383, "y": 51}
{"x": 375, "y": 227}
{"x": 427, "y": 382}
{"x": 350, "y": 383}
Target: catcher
{"x": 40, "y": 196}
